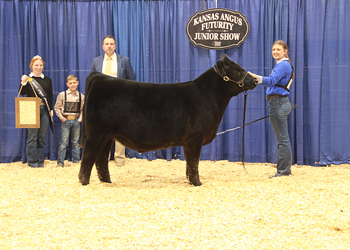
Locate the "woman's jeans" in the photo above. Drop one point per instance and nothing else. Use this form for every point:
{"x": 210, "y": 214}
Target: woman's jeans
{"x": 36, "y": 140}
{"x": 69, "y": 127}
{"x": 279, "y": 109}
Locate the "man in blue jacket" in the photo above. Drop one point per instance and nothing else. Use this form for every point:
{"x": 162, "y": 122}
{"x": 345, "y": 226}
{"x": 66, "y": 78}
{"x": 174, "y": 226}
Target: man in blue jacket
{"x": 117, "y": 66}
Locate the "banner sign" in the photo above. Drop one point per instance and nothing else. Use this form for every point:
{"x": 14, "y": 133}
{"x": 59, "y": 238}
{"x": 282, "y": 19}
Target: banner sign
{"x": 217, "y": 28}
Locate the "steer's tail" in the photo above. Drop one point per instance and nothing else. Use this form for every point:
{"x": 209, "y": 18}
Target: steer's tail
{"x": 89, "y": 81}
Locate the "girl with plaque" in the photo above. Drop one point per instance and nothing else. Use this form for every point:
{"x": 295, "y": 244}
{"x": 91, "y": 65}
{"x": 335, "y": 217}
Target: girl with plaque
{"x": 42, "y": 85}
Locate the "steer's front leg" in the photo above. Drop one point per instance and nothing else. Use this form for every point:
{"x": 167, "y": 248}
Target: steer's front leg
{"x": 192, "y": 155}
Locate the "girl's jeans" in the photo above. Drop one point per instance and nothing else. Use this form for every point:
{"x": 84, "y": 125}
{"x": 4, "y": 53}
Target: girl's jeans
{"x": 279, "y": 109}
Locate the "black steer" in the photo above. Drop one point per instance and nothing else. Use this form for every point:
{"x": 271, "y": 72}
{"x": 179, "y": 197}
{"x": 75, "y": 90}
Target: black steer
{"x": 148, "y": 116}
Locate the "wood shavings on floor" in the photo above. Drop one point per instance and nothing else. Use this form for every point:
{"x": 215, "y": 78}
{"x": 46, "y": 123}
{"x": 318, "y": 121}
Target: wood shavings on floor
{"x": 151, "y": 205}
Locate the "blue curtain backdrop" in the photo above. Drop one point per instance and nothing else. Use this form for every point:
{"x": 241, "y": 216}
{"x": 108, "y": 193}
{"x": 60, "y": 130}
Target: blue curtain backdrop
{"x": 68, "y": 35}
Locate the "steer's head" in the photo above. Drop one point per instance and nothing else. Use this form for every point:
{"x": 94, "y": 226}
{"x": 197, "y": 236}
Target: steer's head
{"x": 233, "y": 72}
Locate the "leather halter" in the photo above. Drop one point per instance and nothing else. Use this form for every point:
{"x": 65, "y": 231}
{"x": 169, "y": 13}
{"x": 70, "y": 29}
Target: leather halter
{"x": 240, "y": 83}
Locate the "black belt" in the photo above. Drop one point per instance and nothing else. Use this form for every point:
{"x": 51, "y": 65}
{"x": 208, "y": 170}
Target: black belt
{"x": 71, "y": 117}
{"x": 268, "y": 97}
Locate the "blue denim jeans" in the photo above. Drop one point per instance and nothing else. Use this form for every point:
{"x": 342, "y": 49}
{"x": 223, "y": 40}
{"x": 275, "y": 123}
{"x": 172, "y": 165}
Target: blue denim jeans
{"x": 279, "y": 109}
{"x": 71, "y": 127}
{"x": 36, "y": 140}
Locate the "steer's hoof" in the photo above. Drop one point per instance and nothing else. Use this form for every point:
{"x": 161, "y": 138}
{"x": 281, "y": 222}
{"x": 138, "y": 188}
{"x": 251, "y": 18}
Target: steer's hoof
{"x": 196, "y": 182}
{"x": 83, "y": 181}
{"x": 106, "y": 181}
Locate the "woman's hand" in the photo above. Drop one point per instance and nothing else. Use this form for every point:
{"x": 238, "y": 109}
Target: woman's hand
{"x": 24, "y": 80}
{"x": 258, "y": 79}
{"x": 253, "y": 75}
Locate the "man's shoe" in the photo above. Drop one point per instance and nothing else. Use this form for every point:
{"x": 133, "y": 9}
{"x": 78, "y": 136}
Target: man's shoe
{"x": 59, "y": 165}
{"x": 275, "y": 175}
{"x": 279, "y": 175}
{"x": 120, "y": 164}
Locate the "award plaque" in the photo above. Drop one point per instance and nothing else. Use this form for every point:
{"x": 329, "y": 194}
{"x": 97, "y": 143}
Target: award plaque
{"x": 27, "y": 112}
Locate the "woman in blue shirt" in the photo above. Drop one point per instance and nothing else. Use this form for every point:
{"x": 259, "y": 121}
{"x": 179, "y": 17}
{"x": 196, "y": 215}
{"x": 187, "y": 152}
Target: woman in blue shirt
{"x": 277, "y": 94}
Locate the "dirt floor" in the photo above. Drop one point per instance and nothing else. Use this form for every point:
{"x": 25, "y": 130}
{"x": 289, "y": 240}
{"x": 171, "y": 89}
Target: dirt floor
{"x": 151, "y": 205}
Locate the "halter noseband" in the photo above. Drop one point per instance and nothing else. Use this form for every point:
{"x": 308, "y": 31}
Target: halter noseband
{"x": 240, "y": 83}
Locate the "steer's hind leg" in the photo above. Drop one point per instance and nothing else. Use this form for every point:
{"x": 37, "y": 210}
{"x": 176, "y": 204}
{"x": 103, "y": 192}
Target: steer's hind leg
{"x": 102, "y": 163}
{"x": 92, "y": 150}
{"x": 192, "y": 155}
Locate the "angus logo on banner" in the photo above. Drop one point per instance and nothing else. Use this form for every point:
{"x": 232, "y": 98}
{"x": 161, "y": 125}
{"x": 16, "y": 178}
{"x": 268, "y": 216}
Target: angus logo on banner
{"x": 217, "y": 28}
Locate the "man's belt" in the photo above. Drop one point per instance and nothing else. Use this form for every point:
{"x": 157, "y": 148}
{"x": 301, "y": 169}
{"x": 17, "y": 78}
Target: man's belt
{"x": 71, "y": 117}
{"x": 268, "y": 97}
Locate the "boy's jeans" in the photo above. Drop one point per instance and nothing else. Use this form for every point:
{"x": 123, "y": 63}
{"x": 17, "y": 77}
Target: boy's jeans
{"x": 69, "y": 127}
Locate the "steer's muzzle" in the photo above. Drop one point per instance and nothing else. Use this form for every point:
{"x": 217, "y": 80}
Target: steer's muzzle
{"x": 250, "y": 82}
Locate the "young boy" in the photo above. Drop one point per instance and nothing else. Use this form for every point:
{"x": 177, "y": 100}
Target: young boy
{"x": 68, "y": 108}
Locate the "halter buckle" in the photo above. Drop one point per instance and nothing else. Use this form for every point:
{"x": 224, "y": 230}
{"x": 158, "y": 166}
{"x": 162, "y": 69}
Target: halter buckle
{"x": 226, "y": 78}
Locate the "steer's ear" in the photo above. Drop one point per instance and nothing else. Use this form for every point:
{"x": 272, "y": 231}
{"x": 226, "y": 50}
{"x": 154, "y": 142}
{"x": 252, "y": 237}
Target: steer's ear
{"x": 224, "y": 57}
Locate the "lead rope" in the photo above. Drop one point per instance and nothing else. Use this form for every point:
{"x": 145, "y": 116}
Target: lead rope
{"x": 244, "y": 111}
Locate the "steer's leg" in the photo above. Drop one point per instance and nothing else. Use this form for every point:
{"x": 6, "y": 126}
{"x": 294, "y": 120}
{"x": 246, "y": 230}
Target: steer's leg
{"x": 102, "y": 163}
{"x": 92, "y": 149}
{"x": 192, "y": 155}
